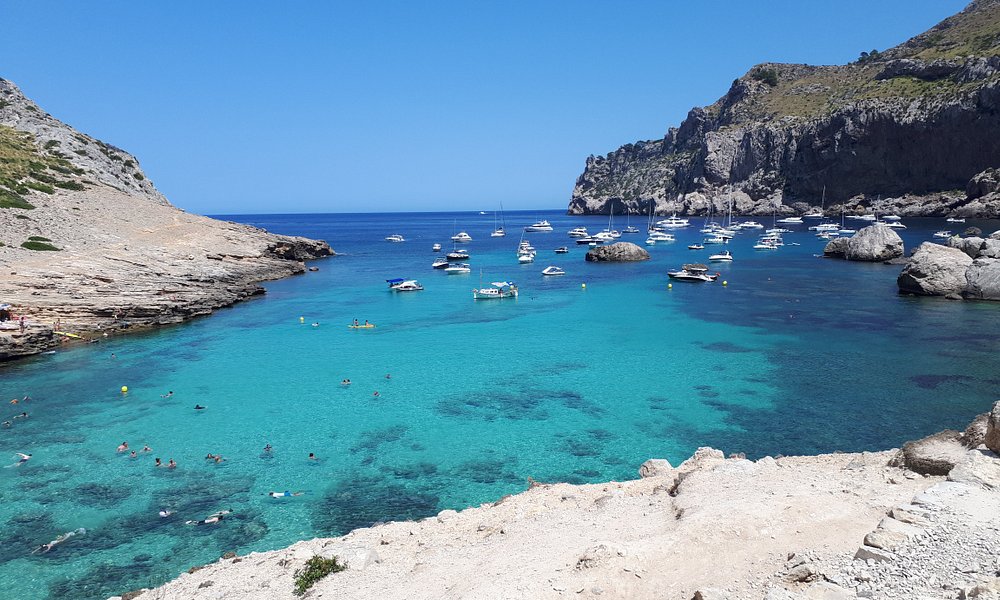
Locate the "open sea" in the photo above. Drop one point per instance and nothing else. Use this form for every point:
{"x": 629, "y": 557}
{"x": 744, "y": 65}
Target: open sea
{"x": 570, "y": 382}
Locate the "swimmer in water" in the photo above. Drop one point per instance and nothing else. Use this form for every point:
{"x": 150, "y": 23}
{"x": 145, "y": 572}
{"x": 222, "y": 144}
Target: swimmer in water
{"x": 167, "y": 395}
{"x": 209, "y": 456}
{"x": 23, "y": 415}
{"x": 218, "y": 458}
{"x": 165, "y": 513}
{"x": 267, "y": 448}
{"x": 376, "y": 394}
{"x": 345, "y": 382}
{"x": 22, "y": 458}
{"x": 285, "y": 494}
{"x": 171, "y": 464}
{"x": 212, "y": 518}
{"x": 199, "y": 407}
{"x": 62, "y": 538}
{"x": 133, "y": 454}
{"x": 388, "y": 376}
{"x": 312, "y": 456}
{"x": 123, "y": 447}
{"x": 7, "y": 423}
{"x": 146, "y": 448}
{"x": 158, "y": 463}
{"x": 315, "y": 324}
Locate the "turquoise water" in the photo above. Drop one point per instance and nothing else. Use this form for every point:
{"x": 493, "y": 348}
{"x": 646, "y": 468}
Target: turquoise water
{"x": 796, "y": 355}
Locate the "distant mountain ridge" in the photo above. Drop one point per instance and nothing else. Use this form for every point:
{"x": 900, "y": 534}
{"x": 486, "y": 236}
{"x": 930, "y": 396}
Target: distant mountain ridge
{"x": 915, "y": 126}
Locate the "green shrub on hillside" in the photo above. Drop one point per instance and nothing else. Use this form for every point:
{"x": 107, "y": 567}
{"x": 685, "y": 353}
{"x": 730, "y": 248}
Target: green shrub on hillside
{"x": 41, "y": 187}
{"x": 768, "y": 76}
{"x": 70, "y": 185}
{"x": 29, "y": 245}
{"x": 316, "y": 568}
{"x": 9, "y": 199}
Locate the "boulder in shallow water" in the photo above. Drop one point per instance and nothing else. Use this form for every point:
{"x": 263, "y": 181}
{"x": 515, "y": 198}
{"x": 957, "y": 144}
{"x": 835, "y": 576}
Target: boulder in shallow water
{"x": 983, "y": 279}
{"x": 935, "y": 270}
{"x": 617, "y": 252}
{"x": 875, "y": 243}
{"x": 969, "y": 245}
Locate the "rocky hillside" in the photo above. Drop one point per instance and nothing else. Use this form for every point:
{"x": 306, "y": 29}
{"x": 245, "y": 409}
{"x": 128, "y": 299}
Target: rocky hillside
{"x": 88, "y": 245}
{"x": 916, "y": 127}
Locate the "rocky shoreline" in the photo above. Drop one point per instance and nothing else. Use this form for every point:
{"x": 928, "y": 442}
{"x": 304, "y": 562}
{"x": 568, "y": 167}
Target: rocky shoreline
{"x": 912, "y": 523}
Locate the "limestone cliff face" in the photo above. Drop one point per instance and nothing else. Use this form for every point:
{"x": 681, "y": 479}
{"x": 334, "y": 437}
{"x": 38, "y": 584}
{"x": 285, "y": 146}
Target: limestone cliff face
{"x": 911, "y": 125}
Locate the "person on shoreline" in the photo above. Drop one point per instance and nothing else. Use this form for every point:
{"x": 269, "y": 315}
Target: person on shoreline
{"x": 62, "y": 538}
{"x": 285, "y": 494}
{"x": 23, "y": 458}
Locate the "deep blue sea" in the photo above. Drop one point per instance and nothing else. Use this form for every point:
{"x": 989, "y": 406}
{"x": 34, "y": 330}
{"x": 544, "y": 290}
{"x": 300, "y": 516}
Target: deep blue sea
{"x": 570, "y": 382}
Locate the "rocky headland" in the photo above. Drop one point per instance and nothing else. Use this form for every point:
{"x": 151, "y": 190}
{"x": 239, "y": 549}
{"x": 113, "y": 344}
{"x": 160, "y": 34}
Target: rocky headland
{"x": 88, "y": 246}
{"x": 914, "y": 523}
{"x": 914, "y": 129}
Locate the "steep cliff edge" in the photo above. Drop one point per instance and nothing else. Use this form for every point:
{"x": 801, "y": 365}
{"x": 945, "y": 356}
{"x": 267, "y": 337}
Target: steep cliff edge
{"x": 88, "y": 243}
{"x": 912, "y": 125}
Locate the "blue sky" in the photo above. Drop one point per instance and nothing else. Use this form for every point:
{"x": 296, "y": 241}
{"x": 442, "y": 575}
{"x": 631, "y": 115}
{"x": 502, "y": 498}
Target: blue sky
{"x": 242, "y": 107}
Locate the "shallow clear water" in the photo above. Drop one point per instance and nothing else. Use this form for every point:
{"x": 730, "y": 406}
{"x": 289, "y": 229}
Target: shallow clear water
{"x": 796, "y": 355}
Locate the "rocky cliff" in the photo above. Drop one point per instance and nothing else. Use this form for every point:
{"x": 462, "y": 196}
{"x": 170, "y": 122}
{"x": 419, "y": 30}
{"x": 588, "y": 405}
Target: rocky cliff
{"x": 914, "y": 127}
{"x": 88, "y": 246}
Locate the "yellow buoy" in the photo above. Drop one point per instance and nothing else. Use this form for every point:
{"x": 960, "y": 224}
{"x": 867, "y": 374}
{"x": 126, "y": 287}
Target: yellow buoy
{"x": 725, "y": 282}
{"x": 302, "y": 319}
{"x": 670, "y": 286}
{"x": 583, "y": 286}
{"x": 124, "y": 389}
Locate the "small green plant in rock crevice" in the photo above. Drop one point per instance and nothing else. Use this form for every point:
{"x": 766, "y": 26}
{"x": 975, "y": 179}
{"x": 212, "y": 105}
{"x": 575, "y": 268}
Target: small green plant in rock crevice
{"x": 316, "y": 568}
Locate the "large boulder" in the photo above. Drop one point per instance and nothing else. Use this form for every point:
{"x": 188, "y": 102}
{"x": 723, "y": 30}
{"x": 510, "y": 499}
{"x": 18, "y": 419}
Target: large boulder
{"x": 935, "y": 454}
{"x": 617, "y": 252}
{"x": 983, "y": 279}
{"x": 875, "y": 243}
{"x": 969, "y": 245}
{"x": 935, "y": 270}
{"x": 992, "y": 439}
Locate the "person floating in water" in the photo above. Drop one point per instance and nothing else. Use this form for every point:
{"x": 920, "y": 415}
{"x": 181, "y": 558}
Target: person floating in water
{"x": 376, "y": 394}
{"x": 122, "y": 447}
{"x": 158, "y": 463}
{"x": 388, "y": 376}
{"x": 199, "y": 407}
{"x": 212, "y": 518}
{"x": 171, "y": 464}
{"x": 345, "y": 382}
{"x": 22, "y": 458}
{"x": 23, "y": 415}
{"x": 285, "y": 494}
{"x": 62, "y": 538}
{"x": 165, "y": 513}
{"x": 267, "y": 448}
{"x": 133, "y": 454}
{"x": 7, "y": 423}
{"x": 146, "y": 448}
{"x": 167, "y": 395}
{"x": 315, "y": 324}
{"x": 312, "y": 456}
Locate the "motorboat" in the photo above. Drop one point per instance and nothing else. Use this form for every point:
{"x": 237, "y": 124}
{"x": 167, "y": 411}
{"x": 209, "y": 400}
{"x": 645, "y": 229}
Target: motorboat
{"x": 457, "y": 268}
{"x": 562, "y": 250}
{"x": 892, "y": 218}
{"x": 673, "y": 222}
{"x": 892, "y": 224}
{"x": 592, "y": 240}
{"x": 553, "y": 270}
{"x": 868, "y": 217}
{"x": 660, "y": 236}
{"x": 436, "y": 247}
{"x": 404, "y": 285}
{"x": 777, "y": 230}
{"x": 725, "y": 256}
{"x": 526, "y": 258}
{"x": 440, "y": 263}
{"x": 578, "y": 232}
{"x": 461, "y": 237}
{"x": 650, "y": 241}
{"x": 824, "y": 227}
{"x": 943, "y": 234}
{"x": 499, "y": 290}
{"x": 395, "y": 238}
{"x": 750, "y": 225}
{"x": 827, "y": 235}
{"x": 542, "y": 225}
{"x": 847, "y": 231}
{"x": 525, "y": 246}
{"x": 955, "y": 219}
{"x": 457, "y": 255}
{"x": 715, "y": 239}
{"x": 762, "y": 245}
{"x": 696, "y": 247}
{"x": 791, "y": 220}
{"x": 693, "y": 272}
{"x": 606, "y": 236}
{"x": 498, "y": 232}
{"x": 813, "y": 214}
{"x": 772, "y": 239}
{"x": 631, "y": 229}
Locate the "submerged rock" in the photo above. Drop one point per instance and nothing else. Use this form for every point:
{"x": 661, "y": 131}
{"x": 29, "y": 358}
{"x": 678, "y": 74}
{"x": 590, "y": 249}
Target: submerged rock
{"x": 935, "y": 270}
{"x": 875, "y": 243}
{"x": 617, "y": 252}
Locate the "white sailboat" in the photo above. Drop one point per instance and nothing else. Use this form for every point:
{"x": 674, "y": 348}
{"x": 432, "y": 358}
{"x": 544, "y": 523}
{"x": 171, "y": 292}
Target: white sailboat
{"x": 499, "y": 231}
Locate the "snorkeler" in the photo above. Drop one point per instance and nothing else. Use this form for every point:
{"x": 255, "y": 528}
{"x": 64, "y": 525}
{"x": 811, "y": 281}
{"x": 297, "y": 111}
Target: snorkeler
{"x": 23, "y": 458}
{"x": 23, "y": 415}
{"x": 62, "y": 538}
{"x": 167, "y": 395}
{"x": 164, "y": 513}
{"x": 212, "y": 518}
{"x": 199, "y": 407}
{"x": 285, "y": 494}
